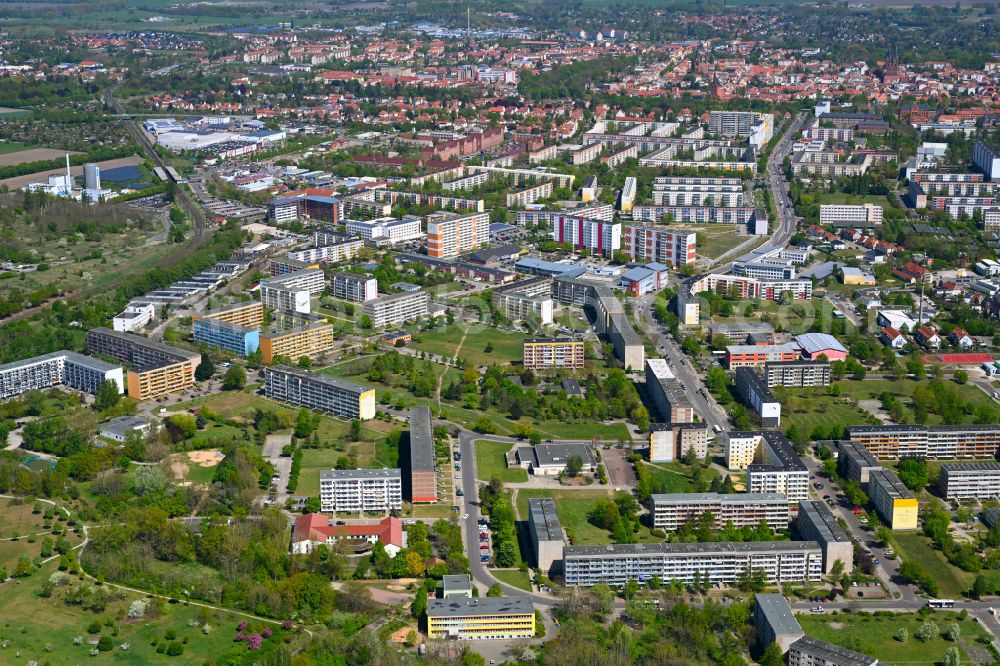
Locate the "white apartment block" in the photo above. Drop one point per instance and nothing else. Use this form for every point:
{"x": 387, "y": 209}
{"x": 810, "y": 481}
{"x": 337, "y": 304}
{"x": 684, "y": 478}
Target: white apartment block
{"x": 970, "y": 480}
{"x": 350, "y": 287}
{"x": 292, "y": 292}
{"x": 626, "y": 198}
{"x": 361, "y": 490}
{"x": 758, "y": 127}
{"x": 67, "y": 368}
{"x": 387, "y": 229}
{"x": 332, "y": 254}
{"x": 672, "y": 511}
{"x": 451, "y": 234}
{"x": 596, "y": 236}
{"x": 722, "y": 562}
{"x": 397, "y": 308}
{"x": 771, "y": 463}
{"x": 134, "y": 317}
{"x": 862, "y": 214}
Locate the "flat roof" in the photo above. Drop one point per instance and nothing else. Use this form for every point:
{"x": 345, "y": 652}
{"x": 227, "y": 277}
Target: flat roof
{"x": 557, "y": 454}
{"x": 464, "y": 606}
{"x": 887, "y": 480}
{"x": 631, "y": 549}
{"x": 456, "y": 582}
{"x": 334, "y": 382}
{"x": 147, "y": 343}
{"x": 421, "y": 440}
{"x": 817, "y": 342}
{"x": 718, "y": 498}
{"x": 561, "y": 339}
{"x": 858, "y": 452}
{"x": 822, "y": 519}
{"x": 778, "y": 613}
{"x": 73, "y": 357}
{"x": 757, "y": 385}
{"x": 959, "y": 468}
{"x": 335, "y": 474}
{"x": 832, "y": 654}
{"x": 888, "y": 429}
{"x": 544, "y": 519}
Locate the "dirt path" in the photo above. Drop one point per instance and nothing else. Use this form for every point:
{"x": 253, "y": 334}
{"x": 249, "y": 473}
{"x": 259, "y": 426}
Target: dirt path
{"x": 461, "y": 342}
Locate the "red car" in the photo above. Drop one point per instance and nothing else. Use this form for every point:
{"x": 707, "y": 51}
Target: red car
{"x": 484, "y": 547}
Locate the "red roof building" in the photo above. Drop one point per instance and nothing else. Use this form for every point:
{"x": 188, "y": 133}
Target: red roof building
{"x": 313, "y": 529}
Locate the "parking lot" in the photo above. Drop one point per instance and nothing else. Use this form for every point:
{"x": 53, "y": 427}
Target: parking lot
{"x": 621, "y": 473}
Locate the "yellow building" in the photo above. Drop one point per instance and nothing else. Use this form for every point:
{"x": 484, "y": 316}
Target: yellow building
{"x": 305, "y": 340}
{"x": 893, "y": 501}
{"x": 162, "y": 379}
{"x": 481, "y": 618}
{"x": 250, "y": 315}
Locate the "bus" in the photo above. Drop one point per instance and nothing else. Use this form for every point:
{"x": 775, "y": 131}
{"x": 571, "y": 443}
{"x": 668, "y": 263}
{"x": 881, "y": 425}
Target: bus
{"x": 940, "y": 603}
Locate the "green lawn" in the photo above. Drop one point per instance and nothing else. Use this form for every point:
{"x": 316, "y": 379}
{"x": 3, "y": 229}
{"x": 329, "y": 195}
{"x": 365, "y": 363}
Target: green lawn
{"x": 717, "y": 239}
{"x": 30, "y": 623}
{"x": 914, "y": 546}
{"x": 573, "y": 506}
{"x": 904, "y": 388}
{"x": 513, "y": 577}
{"x": 874, "y": 636}
{"x": 445, "y": 341}
{"x": 853, "y": 199}
{"x": 490, "y": 462}
{"x": 215, "y": 436}
{"x": 313, "y": 462}
{"x": 10, "y": 146}
{"x": 676, "y": 476}
{"x": 610, "y": 432}
{"x": 807, "y": 408}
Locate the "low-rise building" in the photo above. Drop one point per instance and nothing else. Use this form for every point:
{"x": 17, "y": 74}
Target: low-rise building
{"x": 481, "y": 618}
{"x": 817, "y": 523}
{"x": 314, "y": 529}
{"x": 672, "y": 511}
{"x": 456, "y": 585}
{"x": 361, "y": 490}
{"x": 551, "y": 459}
{"x": 118, "y": 429}
{"x": 893, "y": 501}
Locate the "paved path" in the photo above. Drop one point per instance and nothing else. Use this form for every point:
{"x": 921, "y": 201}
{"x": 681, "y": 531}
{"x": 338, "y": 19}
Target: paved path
{"x": 282, "y": 465}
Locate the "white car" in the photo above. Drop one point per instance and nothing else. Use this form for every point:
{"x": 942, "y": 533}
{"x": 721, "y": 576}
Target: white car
{"x": 465, "y": 516}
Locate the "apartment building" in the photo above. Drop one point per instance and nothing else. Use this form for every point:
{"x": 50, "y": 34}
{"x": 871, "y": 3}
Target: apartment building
{"x": 527, "y": 300}
{"x": 66, "y": 368}
{"x": 235, "y": 338}
{"x": 754, "y": 356}
{"x": 828, "y": 164}
{"x": 669, "y": 247}
{"x": 626, "y": 198}
{"x": 673, "y": 191}
{"x": 154, "y": 368}
{"x": 893, "y": 501}
{"x": 673, "y": 511}
{"x": 351, "y": 287}
{"x": 721, "y": 562}
{"x": 753, "y": 392}
{"x": 451, "y": 234}
{"x": 327, "y": 394}
{"x": 798, "y": 373}
{"x": 422, "y": 199}
{"x": 671, "y": 441}
{"x": 581, "y": 233}
{"x": 841, "y": 215}
{"x": 134, "y": 317}
{"x": 360, "y": 490}
{"x": 313, "y": 206}
{"x": 619, "y": 157}
{"x": 389, "y": 230}
{"x": 817, "y": 523}
{"x": 394, "y": 309}
{"x": 596, "y": 211}
{"x": 292, "y": 291}
{"x": 758, "y": 127}
{"x": 419, "y": 462}
{"x": 694, "y": 214}
{"x": 944, "y": 442}
{"x": 481, "y": 618}
{"x": 809, "y": 651}
{"x": 284, "y": 265}
{"x": 986, "y": 160}
{"x": 525, "y": 176}
{"x": 626, "y": 343}
{"x": 546, "y": 534}
{"x": 774, "y": 621}
{"x": 344, "y": 249}
{"x": 546, "y": 353}
{"x": 766, "y": 269}
{"x": 294, "y": 336}
{"x": 748, "y": 287}
{"x": 663, "y": 387}
{"x": 855, "y": 462}
{"x": 979, "y": 480}
{"x": 771, "y": 463}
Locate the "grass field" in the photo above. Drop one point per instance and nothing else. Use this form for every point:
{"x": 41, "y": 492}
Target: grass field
{"x": 18, "y": 519}
{"x": 513, "y": 577}
{"x": 10, "y": 146}
{"x": 808, "y": 408}
{"x": 314, "y": 461}
{"x": 873, "y": 636}
{"x": 904, "y": 388}
{"x": 31, "y": 623}
{"x": 608, "y": 432}
{"x": 716, "y": 239}
{"x": 573, "y": 506}
{"x": 470, "y": 342}
{"x": 915, "y": 547}
{"x": 853, "y": 199}
{"x": 677, "y": 476}
{"x": 490, "y": 462}
{"x": 215, "y": 435}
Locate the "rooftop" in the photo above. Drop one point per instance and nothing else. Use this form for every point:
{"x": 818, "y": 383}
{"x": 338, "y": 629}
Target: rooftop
{"x": 335, "y": 382}
{"x": 822, "y": 519}
{"x": 778, "y": 613}
{"x": 421, "y": 440}
{"x": 717, "y": 498}
{"x": 817, "y": 342}
{"x": 385, "y": 473}
{"x": 717, "y": 547}
{"x": 464, "y": 607}
{"x": 544, "y": 519}
{"x": 832, "y": 654}
{"x": 887, "y": 480}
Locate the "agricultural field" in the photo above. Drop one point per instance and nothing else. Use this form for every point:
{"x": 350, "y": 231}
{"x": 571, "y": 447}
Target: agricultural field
{"x": 875, "y": 636}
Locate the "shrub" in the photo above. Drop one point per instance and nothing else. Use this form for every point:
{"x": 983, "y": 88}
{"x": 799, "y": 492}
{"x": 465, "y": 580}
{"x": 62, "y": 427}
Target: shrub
{"x": 105, "y": 644}
{"x": 175, "y": 649}
{"x": 94, "y": 627}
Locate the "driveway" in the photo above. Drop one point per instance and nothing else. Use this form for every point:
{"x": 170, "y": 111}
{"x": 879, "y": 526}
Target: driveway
{"x": 621, "y": 473}
{"x": 282, "y": 466}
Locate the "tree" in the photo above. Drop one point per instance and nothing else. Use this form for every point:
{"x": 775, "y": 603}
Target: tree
{"x": 951, "y": 657}
{"x": 148, "y": 479}
{"x": 574, "y": 465}
{"x": 304, "y": 423}
{"x": 495, "y": 590}
{"x": 926, "y": 631}
{"x": 954, "y": 632}
{"x": 630, "y": 589}
{"x": 205, "y": 369}
{"x": 772, "y": 656}
{"x": 235, "y": 379}
{"x": 312, "y": 505}
{"x": 419, "y": 606}
{"x": 23, "y": 568}
{"x": 902, "y": 635}
{"x": 961, "y": 377}
{"x": 107, "y": 395}
{"x": 913, "y": 473}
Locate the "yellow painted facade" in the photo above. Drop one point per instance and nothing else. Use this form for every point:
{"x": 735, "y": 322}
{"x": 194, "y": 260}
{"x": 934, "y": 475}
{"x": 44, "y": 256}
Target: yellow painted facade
{"x": 482, "y": 626}
{"x": 904, "y": 514}
{"x": 309, "y": 340}
{"x": 161, "y": 380}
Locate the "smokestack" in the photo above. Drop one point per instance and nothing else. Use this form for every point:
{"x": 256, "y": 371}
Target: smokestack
{"x": 69, "y": 177}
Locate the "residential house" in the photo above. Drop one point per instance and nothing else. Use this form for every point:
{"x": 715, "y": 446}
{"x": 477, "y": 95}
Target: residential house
{"x": 892, "y": 338}
{"x": 961, "y": 338}
{"x": 313, "y": 529}
{"x": 928, "y": 337}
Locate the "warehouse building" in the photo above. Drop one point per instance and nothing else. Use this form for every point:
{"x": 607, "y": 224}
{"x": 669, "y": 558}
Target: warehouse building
{"x": 817, "y": 523}
{"x": 395, "y": 309}
{"x": 754, "y": 393}
{"x": 67, "y": 368}
{"x": 979, "y": 480}
{"x": 721, "y": 562}
{"x": 672, "y": 511}
{"x": 418, "y": 463}
{"x": 546, "y": 534}
{"x": 481, "y": 618}
{"x": 327, "y": 394}
{"x": 893, "y": 501}
{"x": 360, "y": 490}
